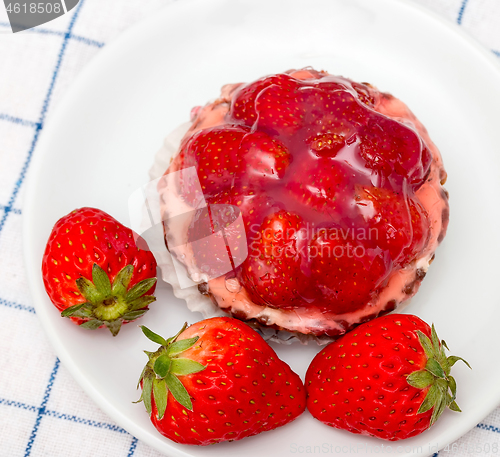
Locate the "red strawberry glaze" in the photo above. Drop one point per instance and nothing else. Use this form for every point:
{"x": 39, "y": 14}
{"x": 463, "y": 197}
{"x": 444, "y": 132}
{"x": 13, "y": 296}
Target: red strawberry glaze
{"x": 332, "y": 179}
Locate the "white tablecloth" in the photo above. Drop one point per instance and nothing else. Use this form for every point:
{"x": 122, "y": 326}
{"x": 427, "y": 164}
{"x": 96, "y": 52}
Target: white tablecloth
{"x": 43, "y": 412}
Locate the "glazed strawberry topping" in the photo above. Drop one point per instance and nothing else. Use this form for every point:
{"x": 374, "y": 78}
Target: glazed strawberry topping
{"x": 272, "y": 272}
{"x": 326, "y": 187}
{"x": 393, "y": 150}
{"x": 243, "y": 106}
{"x": 225, "y": 156}
{"x": 251, "y": 202}
{"x": 397, "y": 224}
{"x": 345, "y": 271}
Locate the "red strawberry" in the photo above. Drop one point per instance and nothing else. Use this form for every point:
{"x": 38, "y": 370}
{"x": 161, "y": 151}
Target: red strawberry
{"x": 281, "y": 104}
{"x": 420, "y": 231}
{"x": 392, "y": 149}
{"x": 332, "y": 110}
{"x": 265, "y": 158}
{"x": 365, "y": 93}
{"x": 272, "y": 273}
{"x": 396, "y": 224}
{"x": 229, "y": 155}
{"x": 94, "y": 273}
{"x": 228, "y": 220}
{"x": 243, "y": 103}
{"x": 280, "y": 111}
{"x": 347, "y": 273}
{"x": 388, "y": 378}
{"x": 327, "y": 144}
{"x": 216, "y": 154}
{"x": 181, "y": 183}
{"x": 218, "y": 240}
{"x": 254, "y": 205}
{"x": 218, "y": 381}
{"x": 326, "y": 186}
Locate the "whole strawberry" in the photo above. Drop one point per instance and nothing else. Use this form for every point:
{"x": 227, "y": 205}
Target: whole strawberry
{"x": 94, "y": 273}
{"x": 218, "y": 381}
{"x": 387, "y": 378}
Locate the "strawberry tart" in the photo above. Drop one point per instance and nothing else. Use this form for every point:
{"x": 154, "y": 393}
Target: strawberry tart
{"x": 330, "y": 189}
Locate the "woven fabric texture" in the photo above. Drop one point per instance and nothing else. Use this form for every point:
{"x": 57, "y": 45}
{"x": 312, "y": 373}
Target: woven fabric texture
{"x": 43, "y": 411}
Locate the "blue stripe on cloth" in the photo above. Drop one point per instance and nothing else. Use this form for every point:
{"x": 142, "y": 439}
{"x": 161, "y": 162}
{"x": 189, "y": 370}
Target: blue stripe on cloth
{"x": 11, "y": 304}
{"x": 36, "y": 30}
{"x": 497, "y": 53}
{"x": 41, "y": 121}
{"x": 17, "y": 120}
{"x": 80, "y": 420}
{"x": 7, "y": 209}
{"x": 41, "y": 410}
{"x": 17, "y": 404}
{"x": 43, "y": 31}
{"x": 133, "y": 446}
{"x": 88, "y": 41}
{"x": 489, "y": 428}
{"x": 461, "y": 11}
{"x": 12, "y": 210}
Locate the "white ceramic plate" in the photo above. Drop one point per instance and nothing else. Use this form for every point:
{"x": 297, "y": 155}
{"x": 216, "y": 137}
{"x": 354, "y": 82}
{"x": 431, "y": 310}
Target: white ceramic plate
{"x": 99, "y": 145}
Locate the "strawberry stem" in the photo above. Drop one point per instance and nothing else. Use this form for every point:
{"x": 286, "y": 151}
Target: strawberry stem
{"x": 161, "y": 374}
{"x": 442, "y": 387}
{"x": 110, "y": 304}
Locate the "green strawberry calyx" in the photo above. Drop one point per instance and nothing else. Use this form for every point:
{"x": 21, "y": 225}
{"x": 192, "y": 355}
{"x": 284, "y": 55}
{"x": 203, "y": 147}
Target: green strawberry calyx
{"x": 110, "y": 304}
{"x": 442, "y": 387}
{"x": 161, "y": 374}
